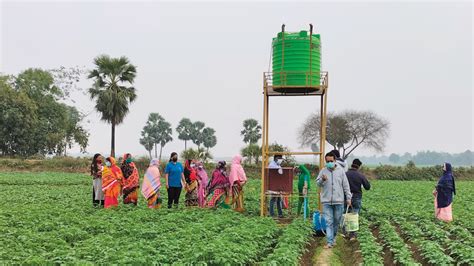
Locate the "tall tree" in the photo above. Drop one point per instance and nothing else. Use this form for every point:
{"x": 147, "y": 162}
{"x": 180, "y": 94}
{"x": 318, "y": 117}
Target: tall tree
{"x": 58, "y": 124}
{"x": 197, "y": 133}
{"x": 184, "y": 130}
{"x": 38, "y": 84}
{"x": 252, "y": 151}
{"x": 152, "y": 129}
{"x": 209, "y": 138}
{"x": 112, "y": 91}
{"x": 347, "y": 131}
{"x": 147, "y": 141}
{"x": 251, "y": 131}
{"x": 44, "y": 123}
{"x": 165, "y": 135}
{"x": 75, "y": 133}
{"x": 18, "y": 120}
{"x": 159, "y": 130}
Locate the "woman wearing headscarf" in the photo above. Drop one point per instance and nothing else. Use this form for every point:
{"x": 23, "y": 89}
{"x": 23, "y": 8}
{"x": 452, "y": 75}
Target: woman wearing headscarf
{"x": 304, "y": 180}
{"x": 443, "y": 193}
{"x": 218, "y": 187}
{"x": 203, "y": 180}
{"x": 151, "y": 185}
{"x": 237, "y": 180}
{"x": 191, "y": 197}
{"x": 96, "y": 173}
{"x": 111, "y": 182}
{"x": 130, "y": 181}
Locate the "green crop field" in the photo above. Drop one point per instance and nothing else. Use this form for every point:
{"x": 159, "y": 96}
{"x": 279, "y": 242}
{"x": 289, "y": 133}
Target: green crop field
{"x": 48, "y": 218}
{"x": 401, "y": 215}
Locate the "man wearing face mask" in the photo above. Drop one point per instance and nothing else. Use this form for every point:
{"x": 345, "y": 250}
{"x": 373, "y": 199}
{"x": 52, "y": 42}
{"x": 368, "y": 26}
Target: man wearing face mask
{"x": 276, "y": 164}
{"x": 334, "y": 186}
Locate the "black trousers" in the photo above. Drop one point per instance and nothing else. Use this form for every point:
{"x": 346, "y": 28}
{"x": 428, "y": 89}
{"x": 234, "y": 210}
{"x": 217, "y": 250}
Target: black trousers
{"x": 173, "y": 196}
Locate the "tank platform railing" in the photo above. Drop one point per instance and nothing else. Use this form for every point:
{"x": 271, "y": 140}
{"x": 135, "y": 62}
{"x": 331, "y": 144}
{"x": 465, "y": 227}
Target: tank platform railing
{"x": 309, "y": 87}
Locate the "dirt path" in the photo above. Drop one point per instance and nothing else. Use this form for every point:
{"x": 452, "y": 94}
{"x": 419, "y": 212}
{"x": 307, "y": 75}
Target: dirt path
{"x": 324, "y": 257}
{"x": 345, "y": 253}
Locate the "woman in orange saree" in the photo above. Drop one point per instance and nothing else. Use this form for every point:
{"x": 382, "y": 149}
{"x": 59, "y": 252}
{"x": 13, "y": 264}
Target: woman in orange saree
{"x": 111, "y": 182}
{"x": 130, "y": 180}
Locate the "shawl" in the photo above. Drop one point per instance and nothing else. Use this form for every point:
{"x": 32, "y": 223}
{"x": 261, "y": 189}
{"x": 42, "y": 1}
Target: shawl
{"x": 237, "y": 172}
{"x": 151, "y": 181}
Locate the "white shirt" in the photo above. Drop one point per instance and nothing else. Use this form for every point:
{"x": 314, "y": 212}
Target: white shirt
{"x": 273, "y": 165}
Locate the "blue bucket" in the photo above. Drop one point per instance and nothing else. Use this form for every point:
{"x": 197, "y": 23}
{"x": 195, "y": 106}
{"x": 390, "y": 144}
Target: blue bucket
{"x": 319, "y": 224}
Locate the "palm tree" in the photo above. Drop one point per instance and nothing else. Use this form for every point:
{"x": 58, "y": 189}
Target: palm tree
{"x": 165, "y": 136}
{"x": 196, "y": 133}
{"x": 251, "y": 131}
{"x": 184, "y": 130}
{"x": 209, "y": 139}
{"x": 159, "y": 130}
{"x": 111, "y": 90}
{"x": 147, "y": 142}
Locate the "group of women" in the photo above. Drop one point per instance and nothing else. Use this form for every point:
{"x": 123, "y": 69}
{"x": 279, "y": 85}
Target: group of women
{"x": 220, "y": 190}
{"x": 111, "y": 181}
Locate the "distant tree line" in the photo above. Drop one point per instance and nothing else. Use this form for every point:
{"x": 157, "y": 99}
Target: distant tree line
{"x": 158, "y": 132}
{"x": 420, "y": 158}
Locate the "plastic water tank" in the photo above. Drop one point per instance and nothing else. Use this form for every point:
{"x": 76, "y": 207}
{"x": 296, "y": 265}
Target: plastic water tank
{"x": 291, "y": 59}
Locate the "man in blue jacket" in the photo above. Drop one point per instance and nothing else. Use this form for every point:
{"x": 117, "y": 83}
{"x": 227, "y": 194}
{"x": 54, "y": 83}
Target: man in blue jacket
{"x": 334, "y": 188}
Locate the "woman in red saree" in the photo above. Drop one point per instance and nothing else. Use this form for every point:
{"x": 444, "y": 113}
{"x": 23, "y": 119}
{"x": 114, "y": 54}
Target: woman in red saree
{"x": 111, "y": 182}
{"x": 130, "y": 181}
{"x": 191, "y": 197}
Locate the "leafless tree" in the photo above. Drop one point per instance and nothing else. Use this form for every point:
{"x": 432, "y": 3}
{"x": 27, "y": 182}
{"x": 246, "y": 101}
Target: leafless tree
{"x": 346, "y": 131}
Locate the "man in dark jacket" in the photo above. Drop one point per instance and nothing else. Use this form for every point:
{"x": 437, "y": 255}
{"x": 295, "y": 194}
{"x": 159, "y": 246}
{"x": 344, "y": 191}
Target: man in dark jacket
{"x": 356, "y": 181}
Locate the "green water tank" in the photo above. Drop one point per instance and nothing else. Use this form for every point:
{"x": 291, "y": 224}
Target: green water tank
{"x": 291, "y": 60}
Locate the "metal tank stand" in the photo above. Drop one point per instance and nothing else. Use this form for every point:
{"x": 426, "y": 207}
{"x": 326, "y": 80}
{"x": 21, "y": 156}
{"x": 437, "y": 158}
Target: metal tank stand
{"x": 307, "y": 89}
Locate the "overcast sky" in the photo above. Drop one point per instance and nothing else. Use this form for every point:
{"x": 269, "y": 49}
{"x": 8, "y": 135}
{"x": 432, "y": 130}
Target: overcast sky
{"x": 409, "y": 62}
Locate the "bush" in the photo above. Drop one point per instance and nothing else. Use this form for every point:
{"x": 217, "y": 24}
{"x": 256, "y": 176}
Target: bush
{"x": 198, "y": 154}
{"x": 63, "y": 164}
{"x": 410, "y": 172}
{"x": 382, "y": 172}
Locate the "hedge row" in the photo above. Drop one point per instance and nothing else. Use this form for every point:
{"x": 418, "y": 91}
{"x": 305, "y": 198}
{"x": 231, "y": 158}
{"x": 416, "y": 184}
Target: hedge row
{"x": 382, "y": 172}
{"x": 388, "y": 172}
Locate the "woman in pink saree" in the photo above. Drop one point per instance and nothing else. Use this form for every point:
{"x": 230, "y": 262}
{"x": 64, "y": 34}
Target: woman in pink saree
{"x": 203, "y": 180}
{"x": 237, "y": 180}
